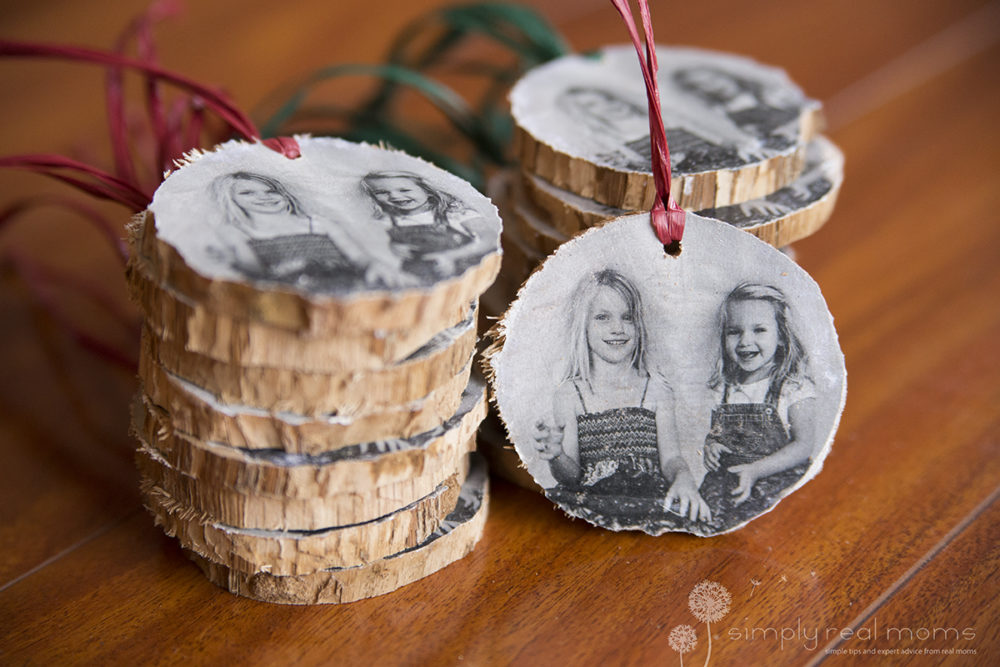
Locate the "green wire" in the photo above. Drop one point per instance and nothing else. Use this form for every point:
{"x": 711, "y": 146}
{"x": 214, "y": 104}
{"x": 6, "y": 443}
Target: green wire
{"x": 422, "y": 45}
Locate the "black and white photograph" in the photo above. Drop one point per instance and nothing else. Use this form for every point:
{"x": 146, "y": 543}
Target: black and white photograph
{"x": 720, "y": 111}
{"x": 343, "y": 218}
{"x": 651, "y": 393}
{"x": 435, "y": 234}
{"x": 822, "y": 174}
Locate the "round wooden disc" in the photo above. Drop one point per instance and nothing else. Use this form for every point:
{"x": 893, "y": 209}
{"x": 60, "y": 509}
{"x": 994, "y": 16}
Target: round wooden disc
{"x": 267, "y": 512}
{"x": 453, "y": 540}
{"x": 533, "y": 230}
{"x": 357, "y": 468}
{"x": 246, "y": 343}
{"x": 346, "y": 236}
{"x": 736, "y": 129}
{"x": 285, "y": 553}
{"x": 314, "y": 393}
{"x": 546, "y": 215}
{"x": 569, "y": 213}
{"x": 797, "y": 210}
{"x": 670, "y": 370}
{"x": 197, "y": 412}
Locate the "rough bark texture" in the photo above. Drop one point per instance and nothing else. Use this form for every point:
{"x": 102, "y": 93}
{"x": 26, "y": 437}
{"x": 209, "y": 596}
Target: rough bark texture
{"x": 357, "y": 469}
{"x": 636, "y": 191}
{"x": 257, "y": 511}
{"x": 241, "y": 342}
{"x": 296, "y": 311}
{"x": 314, "y": 393}
{"x": 293, "y": 553}
{"x": 349, "y": 584}
{"x": 193, "y": 411}
{"x": 546, "y": 215}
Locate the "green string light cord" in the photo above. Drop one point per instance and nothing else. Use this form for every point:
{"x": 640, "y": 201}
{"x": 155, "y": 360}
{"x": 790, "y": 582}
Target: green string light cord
{"x": 430, "y": 44}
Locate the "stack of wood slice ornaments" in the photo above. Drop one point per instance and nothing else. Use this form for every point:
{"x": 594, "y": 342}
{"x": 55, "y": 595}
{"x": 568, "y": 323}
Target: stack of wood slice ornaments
{"x": 307, "y": 413}
{"x": 744, "y": 145}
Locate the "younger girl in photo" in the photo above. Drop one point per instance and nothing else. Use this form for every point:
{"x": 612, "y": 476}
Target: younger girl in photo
{"x": 613, "y": 448}
{"x": 432, "y": 231}
{"x": 763, "y": 428}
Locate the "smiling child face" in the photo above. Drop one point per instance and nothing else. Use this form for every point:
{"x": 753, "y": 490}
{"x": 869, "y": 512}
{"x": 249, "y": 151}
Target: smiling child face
{"x": 610, "y": 327}
{"x": 257, "y": 196}
{"x": 399, "y": 193}
{"x": 751, "y": 336}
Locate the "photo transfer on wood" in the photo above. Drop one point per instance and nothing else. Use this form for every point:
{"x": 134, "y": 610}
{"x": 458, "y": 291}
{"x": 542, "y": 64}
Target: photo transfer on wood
{"x": 662, "y": 394}
{"x": 736, "y": 128}
{"x": 356, "y": 468}
{"x": 366, "y": 233}
{"x": 787, "y": 215}
{"x": 797, "y": 210}
{"x": 313, "y": 393}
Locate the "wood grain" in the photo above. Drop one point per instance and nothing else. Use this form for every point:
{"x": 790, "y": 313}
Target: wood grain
{"x": 292, "y": 553}
{"x": 899, "y": 525}
{"x": 285, "y": 308}
{"x": 935, "y": 611}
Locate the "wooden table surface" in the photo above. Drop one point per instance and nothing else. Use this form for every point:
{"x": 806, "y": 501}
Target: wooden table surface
{"x": 899, "y": 531}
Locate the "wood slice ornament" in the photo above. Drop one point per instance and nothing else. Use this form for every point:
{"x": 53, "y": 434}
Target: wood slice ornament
{"x": 312, "y": 393}
{"x": 197, "y": 412}
{"x": 345, "y": 237}
{"x": 357, "y": 468}
{"x": 201, "y": 330}
{"x": 454, "y": 539}
{"x": 291, "y": 553}
{"x": 501, "y": 455}
{"x": 737, "y": 129}
{"x": 272, "y": 512}
{"x": 624, "y": 375}
{"x": 551, "y": 215}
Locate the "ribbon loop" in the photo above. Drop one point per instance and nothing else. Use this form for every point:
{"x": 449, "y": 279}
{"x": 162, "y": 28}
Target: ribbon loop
{"x": 666, "y": 216}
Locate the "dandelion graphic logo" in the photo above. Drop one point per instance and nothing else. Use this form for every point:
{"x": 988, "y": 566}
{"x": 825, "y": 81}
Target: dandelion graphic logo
{"x": 682, "y": 639}
{"x": 709, "y": 601}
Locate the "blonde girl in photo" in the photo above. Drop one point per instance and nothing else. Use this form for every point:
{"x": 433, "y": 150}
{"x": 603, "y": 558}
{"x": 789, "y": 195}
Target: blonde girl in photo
{"x": 613, "y": 447}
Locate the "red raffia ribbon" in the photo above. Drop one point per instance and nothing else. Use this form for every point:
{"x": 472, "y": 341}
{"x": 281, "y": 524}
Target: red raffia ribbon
{"x": 123, "y": 188}
{"x": 667, "y": 217}
{"x": 175, "y": 129}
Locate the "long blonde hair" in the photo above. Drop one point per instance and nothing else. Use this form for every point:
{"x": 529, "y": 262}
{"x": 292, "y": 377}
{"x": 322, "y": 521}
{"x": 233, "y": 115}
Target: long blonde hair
{"x": 580, "y": 363}
{"x": 234, "y": 214}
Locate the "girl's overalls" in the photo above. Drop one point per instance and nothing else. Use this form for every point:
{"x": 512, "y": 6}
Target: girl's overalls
{"x": 751, "y": 431}
{"x": 415, "y": 242}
